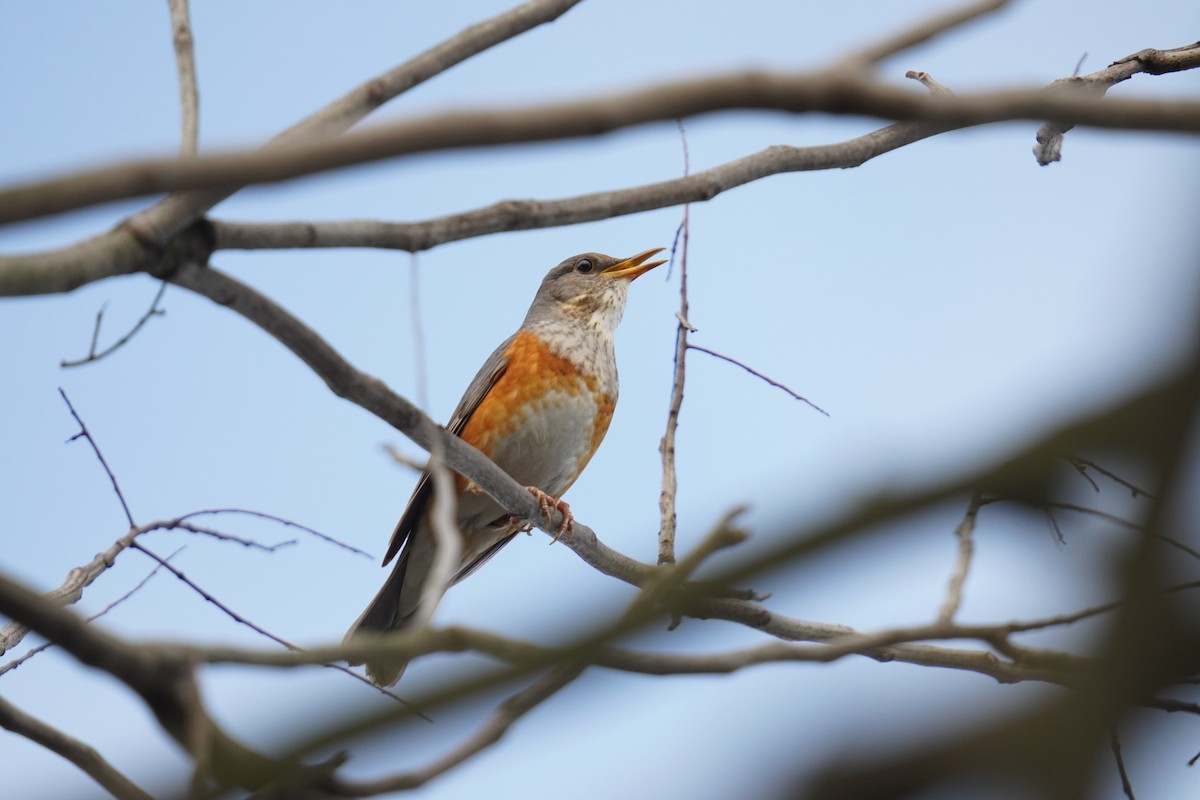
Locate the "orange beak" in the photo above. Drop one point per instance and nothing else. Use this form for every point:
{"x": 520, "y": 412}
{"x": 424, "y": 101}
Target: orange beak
{"x": 634, "y": 266}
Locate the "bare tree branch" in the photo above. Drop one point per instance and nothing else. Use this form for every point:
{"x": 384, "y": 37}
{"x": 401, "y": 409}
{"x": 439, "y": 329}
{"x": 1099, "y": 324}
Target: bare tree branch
{"x": 492, "y": 730}
{"x": 139, "y": 242}
{"x": 117, "y": 252}
{"x": 517, "y": 215}
{"x": 16, "y": 662}
{"x": 840, "y": 93}
{"x": 165, "y": 676}
{"x": 156, "y": 225}
{"x": 71, "y": 589}
{"x": 1150, "y": 61}
{"x": 73, "y": 750}
{"x": 164, "y": 679}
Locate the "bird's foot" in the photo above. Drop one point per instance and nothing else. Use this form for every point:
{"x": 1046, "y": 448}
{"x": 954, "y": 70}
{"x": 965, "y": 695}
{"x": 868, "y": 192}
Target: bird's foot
{"x": 546, "y": 503}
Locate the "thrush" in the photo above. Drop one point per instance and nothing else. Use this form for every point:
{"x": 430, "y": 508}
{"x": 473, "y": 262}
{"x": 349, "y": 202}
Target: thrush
{"x": 539, "y": 407}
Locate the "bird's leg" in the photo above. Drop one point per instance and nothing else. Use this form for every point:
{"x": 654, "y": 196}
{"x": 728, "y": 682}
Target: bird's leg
{"x": 545, "y": 503}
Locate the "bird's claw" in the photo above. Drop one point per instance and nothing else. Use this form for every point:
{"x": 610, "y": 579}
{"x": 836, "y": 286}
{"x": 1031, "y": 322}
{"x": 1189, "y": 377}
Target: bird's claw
{"x": 546, "y": 503}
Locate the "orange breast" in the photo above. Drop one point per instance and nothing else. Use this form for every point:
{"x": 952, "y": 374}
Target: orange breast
{"x": 539, "y": 382}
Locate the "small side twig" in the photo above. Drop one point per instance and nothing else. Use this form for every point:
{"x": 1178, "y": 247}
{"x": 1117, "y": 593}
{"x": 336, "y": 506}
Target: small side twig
{"x": 965, "y": 533}
{"x": 1126, "y": 785}
{"x": 1054, "y": 526}
{"x": 229, "y": 612}
{"x": 84, "y": 433}
{"x": 1083, "y": 464}
{"x": 221, "y": 536}
{"x": 758, "y": 375}
{"x": 1127, "y": 523}
{"x": 93, "y": 355}
{"x": 287, "y": 523}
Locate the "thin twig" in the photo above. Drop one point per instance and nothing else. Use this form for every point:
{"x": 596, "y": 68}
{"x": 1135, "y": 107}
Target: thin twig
{"x": 1052, "y": 521}
{"x": 666, "y": 447}
{"x": 758, "y": 375}
{"x": 1191, "y": 551}
{"x": 92, "y": 355}
{"x": 1083, "y": 472}
{"x": 1082, "y": 464}
{"x": 185, "y": 64}
{"x": 86, "y": 434}
{"x": 1137, "y": 526}
{"x": 220, "y": 536}
{"x": 1115, "y": 744}
{"x": 966, "y": 548}
{"x": 1095, "y": 512}
{"x": 273, "y": 518}
{"x": 1076, "y": 616}
{"x": 229, "y": 612}
{"x": 236, "y": 617}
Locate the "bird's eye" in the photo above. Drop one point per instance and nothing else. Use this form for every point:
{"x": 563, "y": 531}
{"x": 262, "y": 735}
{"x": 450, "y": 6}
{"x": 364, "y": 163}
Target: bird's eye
{"x": 584, "y": 265}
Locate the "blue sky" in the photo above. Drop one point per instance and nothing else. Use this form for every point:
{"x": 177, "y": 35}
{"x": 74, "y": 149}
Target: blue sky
{"x": 943, "y": 302}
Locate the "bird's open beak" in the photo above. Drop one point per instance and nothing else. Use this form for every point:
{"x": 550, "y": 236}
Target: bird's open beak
{"x": 632, "y": 267}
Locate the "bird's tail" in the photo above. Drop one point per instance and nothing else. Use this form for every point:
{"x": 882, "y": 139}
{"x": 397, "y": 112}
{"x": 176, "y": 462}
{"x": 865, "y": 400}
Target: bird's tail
{"x": 381, "y": 618}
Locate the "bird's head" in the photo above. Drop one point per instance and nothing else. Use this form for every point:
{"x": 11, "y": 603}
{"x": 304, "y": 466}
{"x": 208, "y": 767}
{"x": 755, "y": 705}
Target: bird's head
{"x": 590, "y": 287}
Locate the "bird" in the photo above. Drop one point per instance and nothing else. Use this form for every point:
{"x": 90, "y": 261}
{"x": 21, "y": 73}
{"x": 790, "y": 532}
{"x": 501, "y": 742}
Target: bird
{"x": 538, "y": 407}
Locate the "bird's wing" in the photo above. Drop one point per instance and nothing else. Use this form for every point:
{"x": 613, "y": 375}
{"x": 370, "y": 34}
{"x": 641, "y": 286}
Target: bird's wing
{"x": 482, "y": 383}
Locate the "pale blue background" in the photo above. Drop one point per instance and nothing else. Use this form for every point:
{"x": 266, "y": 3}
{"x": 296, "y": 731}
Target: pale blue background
{"x": 941, "y": 302}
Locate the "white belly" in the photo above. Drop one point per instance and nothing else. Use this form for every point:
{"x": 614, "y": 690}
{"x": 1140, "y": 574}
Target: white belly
{"x": 546, "y": 449}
